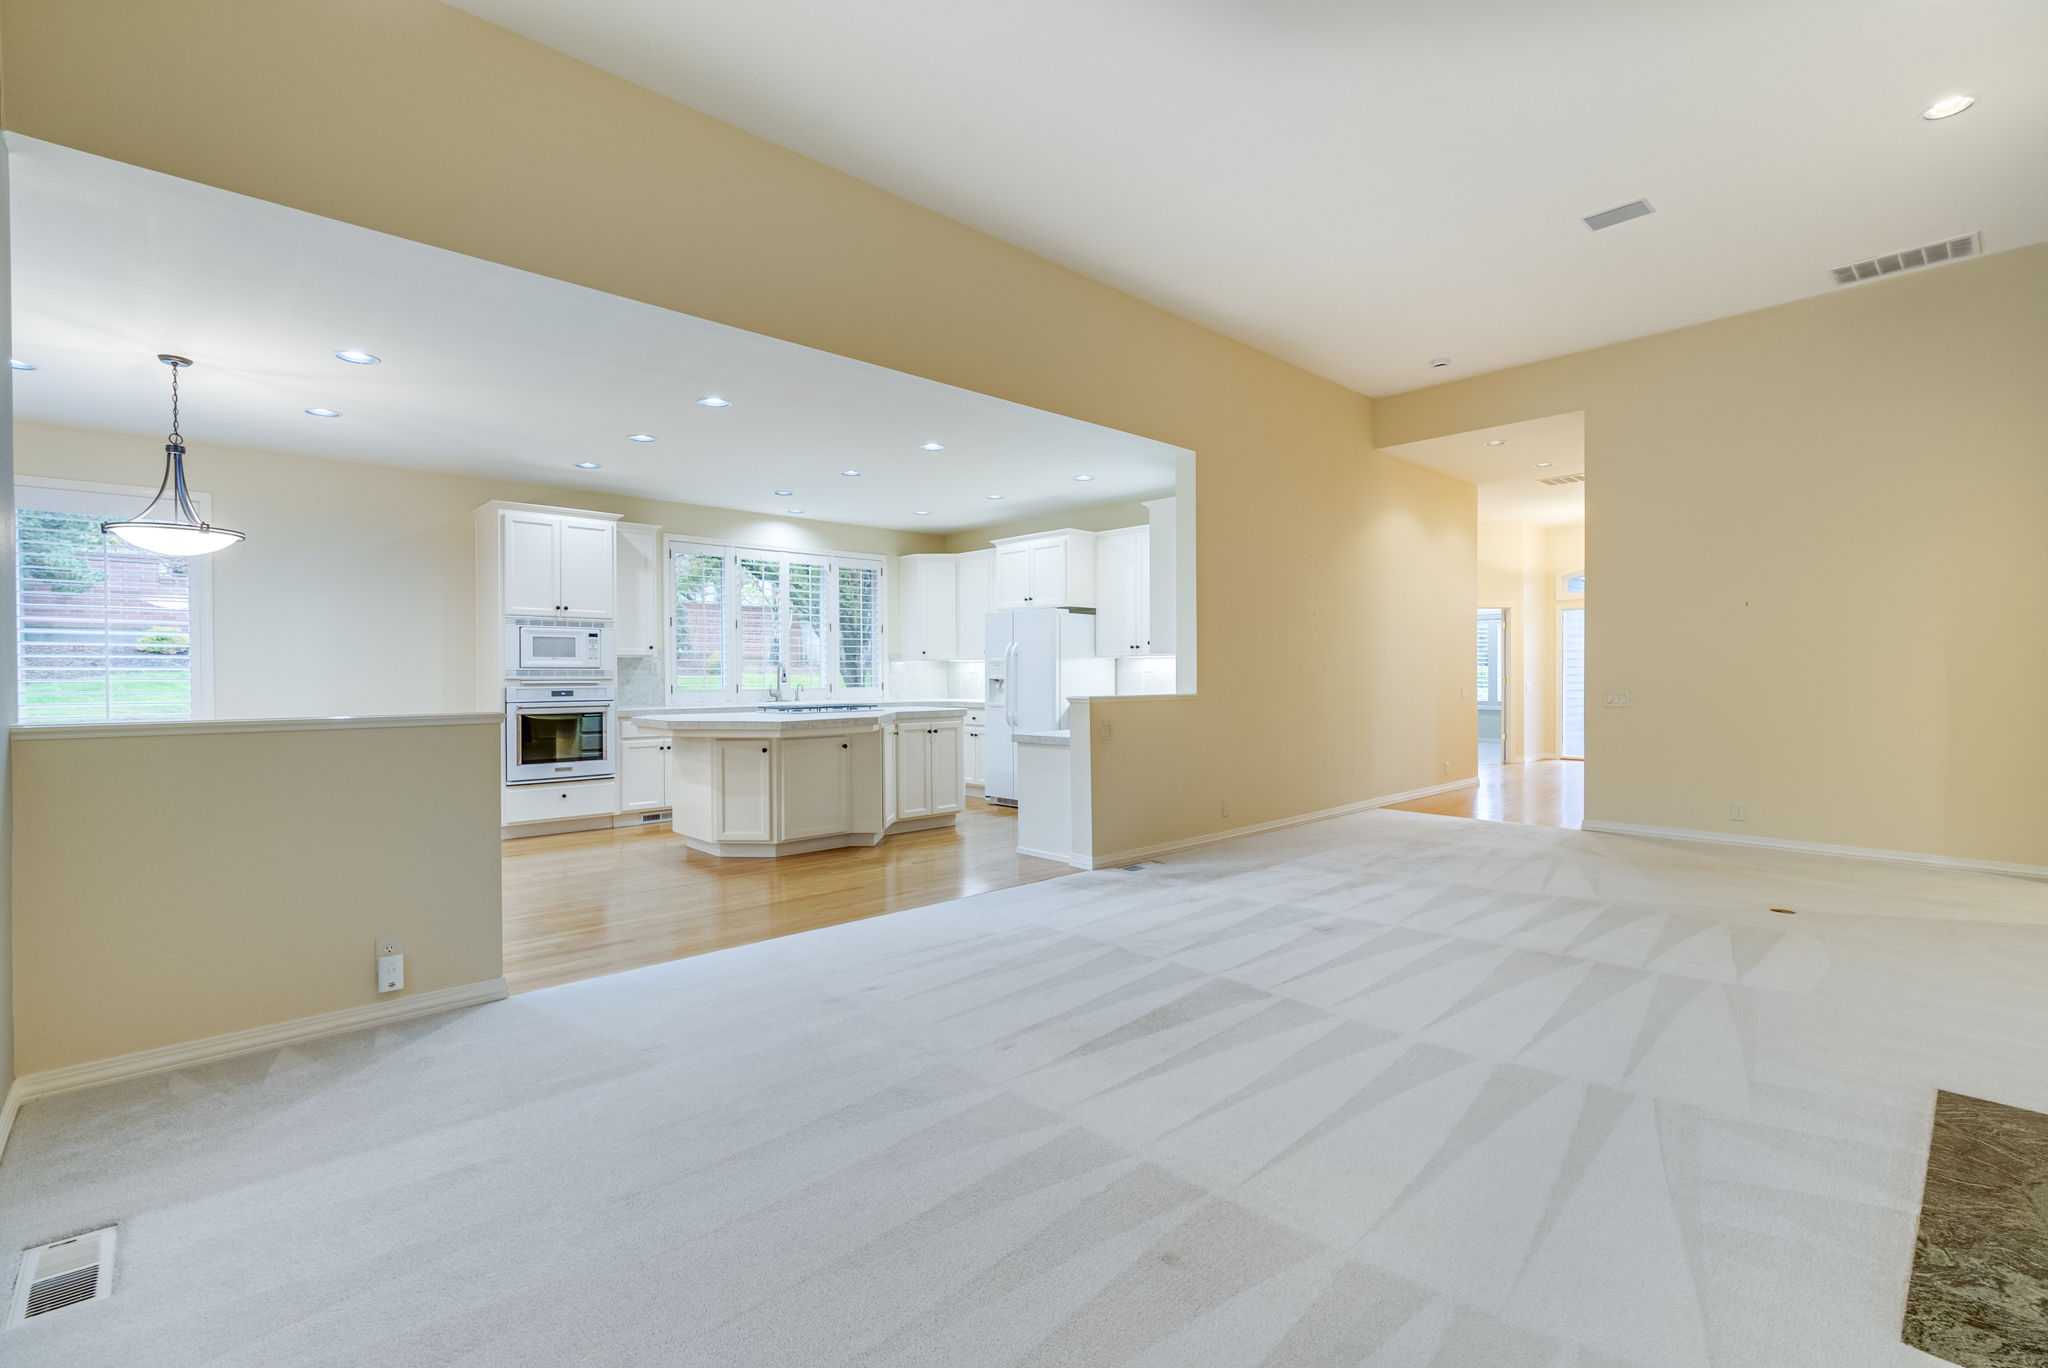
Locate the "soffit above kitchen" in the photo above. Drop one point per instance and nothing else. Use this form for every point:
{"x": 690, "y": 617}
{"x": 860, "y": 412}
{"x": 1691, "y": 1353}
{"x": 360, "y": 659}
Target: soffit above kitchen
{"x": 486, "y": 370}
{"x": 1363, "y": 187}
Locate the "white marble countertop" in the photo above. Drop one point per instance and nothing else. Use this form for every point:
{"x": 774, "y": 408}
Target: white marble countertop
{"x": 723, "y": 709}
{"x": 1042, "y": 738}
{"x": 757, "y": 723}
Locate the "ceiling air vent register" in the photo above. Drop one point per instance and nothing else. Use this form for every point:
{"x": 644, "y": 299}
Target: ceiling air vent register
{"x": 63, "y": 1273}
{"x": 1634, "y": 209}
{"x": 1579, "y": 478}
{"x": 1891, "y": 263}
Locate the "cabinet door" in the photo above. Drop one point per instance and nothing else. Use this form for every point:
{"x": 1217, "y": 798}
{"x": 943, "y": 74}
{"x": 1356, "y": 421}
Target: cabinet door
{"x": 944, "y": 758}
{"x": 746, "y": 790}
{"x": 815, "y": 787}
{"x": 913, "y": 771}
{"x": 1116, "y": 628}
{"x": 1013, "y": 576}
{"x": 1047, "y": 572}
{"x": 530, "y": 547}
{"x": 971, "y": 756}
{"x": 587, "y": 569}
{"x": 974, "y": 599}
{"x": 641, "y": 617}
{"x": 931, "y": 604}
{"x": 643, "y": 774}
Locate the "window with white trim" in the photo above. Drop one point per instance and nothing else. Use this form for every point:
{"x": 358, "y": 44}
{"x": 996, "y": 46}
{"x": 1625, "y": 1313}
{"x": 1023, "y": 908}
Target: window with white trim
{"x": 105, "y": 631}
{"x": 753, "y": 623}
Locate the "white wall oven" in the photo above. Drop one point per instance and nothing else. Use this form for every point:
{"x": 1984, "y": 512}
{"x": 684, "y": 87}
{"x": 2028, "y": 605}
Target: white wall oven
{"x": 558, "y": 732}
{"x": 537, "y": 647}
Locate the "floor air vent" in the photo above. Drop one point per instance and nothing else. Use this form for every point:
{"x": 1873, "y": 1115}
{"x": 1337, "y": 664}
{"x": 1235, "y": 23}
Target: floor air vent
{"x": 1891, "y": 263}
{"x": 1580, "y": 478}
{"x": 1132, "y": 869}
{"x": 64, "y": 1273}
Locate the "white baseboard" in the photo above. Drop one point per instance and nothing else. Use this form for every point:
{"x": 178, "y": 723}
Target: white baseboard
{"x": 2024, "y": 871}
{"x": 1124, "y": 857}
{"x": 9, "y": 1105}
{"x": 1053, "y": 855}
{"x": 71, "y": 1077}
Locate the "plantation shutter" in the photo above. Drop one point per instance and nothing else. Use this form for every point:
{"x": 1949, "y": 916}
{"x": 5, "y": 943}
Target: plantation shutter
{"x": 758, "y": 621}
{"x": 860, "y": 625}
{"x": 1572, "y": 662}
{"x": 104, "y": 628}
{"x": 698, "y": 578}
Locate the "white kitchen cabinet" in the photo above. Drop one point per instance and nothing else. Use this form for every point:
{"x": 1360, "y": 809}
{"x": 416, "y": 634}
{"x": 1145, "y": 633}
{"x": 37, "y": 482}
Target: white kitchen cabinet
{"x": 1163, "y": 554}
{"x": 927, "y": 604}
{"x": 814, "y": 777}
{"x": 1123, "y": 592}
{"x": 744, "y": 784}
{"x": 929, "y": 778}
{"x": 643, "y": 773}
{"x": 1046, "y": 570}
{"x": 557, "y": 802}
{"x": 555, "y": 563}
{"x": 974, "y": 597}
{"x": 642, "y": 618}
{"x": 970, "y": 756}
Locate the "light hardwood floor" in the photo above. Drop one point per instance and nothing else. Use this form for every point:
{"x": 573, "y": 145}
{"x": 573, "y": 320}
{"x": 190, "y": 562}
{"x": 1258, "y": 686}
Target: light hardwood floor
{"x": 1535, "y": 792}
{"x": 596, "y": 902}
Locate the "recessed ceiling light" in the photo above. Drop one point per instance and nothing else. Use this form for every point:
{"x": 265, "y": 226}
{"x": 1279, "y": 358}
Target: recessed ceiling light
{"x": 992, "y": 496}
{"x": 1084, "y": 479}
{"x": 1543, "y": 465}
{"x": 1954, "y": 104}
{"x": 20, "y": 364}
{"x": 639, "y": 436}
{"x": 324, "y": 413}
{"x": 713, "y": 401}
{"x": 933, "y": 446}
{"x": 1439, "y": 361}
{"x": 850, "y": 472}
{"x": 1498, "y": 441}
{"x": 785, "y": 493}
{"x": 357, "y": 358}
{"x": 920, "y": 512}
{"x": 588, "y": 465}
{"x": 792, "y": 510}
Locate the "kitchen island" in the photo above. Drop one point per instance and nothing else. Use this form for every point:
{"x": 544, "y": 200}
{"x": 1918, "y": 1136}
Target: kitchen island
{"x": 768, "y": 783}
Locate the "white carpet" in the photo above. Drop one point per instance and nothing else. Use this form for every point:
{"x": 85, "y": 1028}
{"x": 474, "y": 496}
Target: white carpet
{"x": 1391, "y": 1091}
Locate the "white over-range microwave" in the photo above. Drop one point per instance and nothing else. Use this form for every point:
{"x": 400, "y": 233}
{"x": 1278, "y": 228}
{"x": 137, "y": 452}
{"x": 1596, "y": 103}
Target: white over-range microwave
{"x": 557, "y": 649}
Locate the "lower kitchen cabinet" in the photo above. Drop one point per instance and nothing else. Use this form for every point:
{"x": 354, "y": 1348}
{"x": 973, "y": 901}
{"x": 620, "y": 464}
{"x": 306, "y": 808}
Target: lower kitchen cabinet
{"x": 930, "y": 780}
{"x": 970, "y": 757}
{"x": 816, "y": 783}
{"x": 744, "y": 784}
{"x": 643, "y": 773}
{"x": 558, "y": 802}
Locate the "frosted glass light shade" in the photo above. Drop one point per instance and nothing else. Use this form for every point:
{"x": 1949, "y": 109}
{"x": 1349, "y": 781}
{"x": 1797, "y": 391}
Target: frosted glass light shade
{"x": 174, "y": 539}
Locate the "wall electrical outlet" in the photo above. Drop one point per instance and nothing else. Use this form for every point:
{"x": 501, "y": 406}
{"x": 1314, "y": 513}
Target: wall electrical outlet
{"x": 1102, "y": 731}
{"x": 1738, "y": 812}
{"x": 1224, "y": 807}
{"x": 1447, "y": 767}
{"x": 390, "y": 973}
{"x": 1618, "y": 698}
{"x": 390, "y": 945}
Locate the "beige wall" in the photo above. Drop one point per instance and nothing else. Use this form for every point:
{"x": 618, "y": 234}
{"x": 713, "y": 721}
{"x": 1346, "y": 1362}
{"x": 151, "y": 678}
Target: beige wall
{"x": 390, "y": 560}
{"x": 1327, "y": 677}
{"x": 1816, "y": 543}
{"x": 176, "y": 887}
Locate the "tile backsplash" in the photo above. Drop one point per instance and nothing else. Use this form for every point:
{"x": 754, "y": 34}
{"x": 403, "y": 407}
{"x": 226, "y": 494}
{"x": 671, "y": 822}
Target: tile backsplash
{"x": 640, "y": 682}
{"x": 935, "y": 678}
{"x": 1145, "y": 675}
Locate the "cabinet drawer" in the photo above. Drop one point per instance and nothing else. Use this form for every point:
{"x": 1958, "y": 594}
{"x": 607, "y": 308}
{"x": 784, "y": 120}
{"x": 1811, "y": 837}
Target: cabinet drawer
{"x": 553, "y": 802}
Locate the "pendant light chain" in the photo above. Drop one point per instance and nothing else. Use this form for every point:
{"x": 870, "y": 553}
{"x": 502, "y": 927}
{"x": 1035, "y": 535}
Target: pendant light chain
{"x": 176, "y": 438}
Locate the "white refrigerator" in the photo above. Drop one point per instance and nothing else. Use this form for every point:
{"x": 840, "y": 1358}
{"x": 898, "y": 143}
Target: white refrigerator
{"x": 1038, "y": 658}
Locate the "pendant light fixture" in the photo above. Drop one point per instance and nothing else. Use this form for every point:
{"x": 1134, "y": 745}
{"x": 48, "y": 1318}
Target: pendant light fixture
{"x": 172, "y": 528}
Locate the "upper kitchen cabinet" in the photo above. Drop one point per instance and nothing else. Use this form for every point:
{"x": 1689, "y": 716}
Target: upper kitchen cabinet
{"x": 927, "y": 608}
{"x": 548, "y": 562}
{"x": 1163, "y": 573}
{"x": 641, "y": 615}
{"x": 1123, "y": 592}
{"x": 975, "y": 586}
{"x": 1046, "y": 570}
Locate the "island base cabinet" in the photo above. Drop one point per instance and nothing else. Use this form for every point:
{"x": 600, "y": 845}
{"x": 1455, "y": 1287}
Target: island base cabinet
{"x": 931, "y": 780}
{"x": 743, "y": 803}
{"x": 643, "y": 774}
{"x": 815, "y": 781}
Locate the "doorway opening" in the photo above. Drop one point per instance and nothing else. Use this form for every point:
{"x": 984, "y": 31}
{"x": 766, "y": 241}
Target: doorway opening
{"x": 1490, "y": 685}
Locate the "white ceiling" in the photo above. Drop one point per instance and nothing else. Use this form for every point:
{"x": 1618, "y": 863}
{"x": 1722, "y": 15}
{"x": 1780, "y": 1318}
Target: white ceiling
{"x": 1510, "y": 476}
{"x": 1361, "y": 186}
{"x": 489, "y": 370}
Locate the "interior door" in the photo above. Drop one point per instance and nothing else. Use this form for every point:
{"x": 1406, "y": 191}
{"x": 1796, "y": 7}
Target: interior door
{"x": 1572, "y": 683}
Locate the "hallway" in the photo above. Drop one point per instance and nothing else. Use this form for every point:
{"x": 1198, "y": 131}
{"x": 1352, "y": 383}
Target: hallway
{"x": 1537, "y": 793}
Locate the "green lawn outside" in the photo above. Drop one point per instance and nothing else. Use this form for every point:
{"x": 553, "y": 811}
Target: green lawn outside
{"x": 163, "y": 693}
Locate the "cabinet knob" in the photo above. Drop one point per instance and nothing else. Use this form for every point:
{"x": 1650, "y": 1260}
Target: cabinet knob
{"x": 764, "y": 750}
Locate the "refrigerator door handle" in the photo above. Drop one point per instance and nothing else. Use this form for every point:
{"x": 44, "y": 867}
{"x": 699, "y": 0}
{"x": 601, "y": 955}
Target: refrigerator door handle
{"x": 1010, "y": 684}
